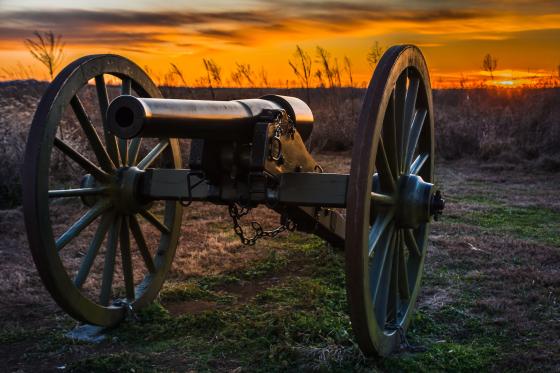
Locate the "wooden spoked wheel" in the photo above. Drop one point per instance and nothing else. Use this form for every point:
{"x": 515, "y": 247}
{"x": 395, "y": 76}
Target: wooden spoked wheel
{"x": 99, "y": 248}
{"x": 389, "y": 197}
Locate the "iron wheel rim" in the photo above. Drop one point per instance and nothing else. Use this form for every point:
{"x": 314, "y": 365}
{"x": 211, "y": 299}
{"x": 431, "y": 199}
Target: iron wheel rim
{"x": 40, "y": 144}
{"x": 366, "y": 260}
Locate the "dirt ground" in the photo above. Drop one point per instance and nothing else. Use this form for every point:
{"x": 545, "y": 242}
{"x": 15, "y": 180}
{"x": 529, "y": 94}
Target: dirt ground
{"x": 490, "y": 299}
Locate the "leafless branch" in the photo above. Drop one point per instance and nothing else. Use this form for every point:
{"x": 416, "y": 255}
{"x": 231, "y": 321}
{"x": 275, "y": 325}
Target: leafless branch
{"x": 48, "y": 49}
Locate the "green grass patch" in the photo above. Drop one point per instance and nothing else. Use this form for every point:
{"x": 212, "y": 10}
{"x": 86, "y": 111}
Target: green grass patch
{"x": 14, "y": 333}
{"x": 445, "y": 357}
{"x": 302, "y": 323}
{"x": 298, "y": 323}
{"x": 184, "y": 291}
{"x": 533, "y": 223}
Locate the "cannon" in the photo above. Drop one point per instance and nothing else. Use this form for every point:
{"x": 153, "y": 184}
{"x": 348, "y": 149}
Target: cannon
{"x": 116, "y": 179}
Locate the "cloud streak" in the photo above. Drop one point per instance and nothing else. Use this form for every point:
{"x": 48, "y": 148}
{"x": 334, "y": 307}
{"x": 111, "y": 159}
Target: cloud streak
{"x": 274, "y": 21}
{"x": 452, "y": 33}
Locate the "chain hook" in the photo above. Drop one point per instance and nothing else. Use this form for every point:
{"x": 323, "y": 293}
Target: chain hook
{"x": 259, "y": 232}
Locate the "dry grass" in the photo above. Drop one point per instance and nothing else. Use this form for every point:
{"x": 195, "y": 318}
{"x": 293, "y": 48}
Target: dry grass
{"x": 511, "y": 126}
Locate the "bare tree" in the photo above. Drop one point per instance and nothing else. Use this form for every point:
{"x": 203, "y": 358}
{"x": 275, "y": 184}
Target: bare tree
{"x": 263, "y": 75}
{"x": 348, "y": 69}
{"x": 336, "y": 73}
{"x": 319, "y": 76}
{"x": 374, "y": 54}
{"x": 489, "y": 64}
{"x": 237, "y": 78}
{"x": 48, "y": 49}
{"x": 242, "y": 73}
{"x": 302, "y": 68}
{"x": 174, "y": 70}
{"x": 462, "y": 81}
{"x": 325, "y": 61}
{"x": 245, "y": 71}
{"x": 213, "y": 74}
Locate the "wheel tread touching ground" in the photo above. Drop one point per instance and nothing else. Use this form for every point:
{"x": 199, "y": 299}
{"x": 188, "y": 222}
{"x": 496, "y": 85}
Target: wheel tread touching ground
{"x": 385, "y": 249}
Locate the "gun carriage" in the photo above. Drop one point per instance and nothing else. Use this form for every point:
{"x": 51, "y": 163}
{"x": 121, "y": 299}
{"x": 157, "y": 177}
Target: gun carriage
{"x": 244, "y": 153}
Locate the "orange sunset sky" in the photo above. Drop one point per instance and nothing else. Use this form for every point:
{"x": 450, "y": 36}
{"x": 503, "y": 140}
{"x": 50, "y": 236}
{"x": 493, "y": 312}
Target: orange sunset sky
{"x": 524, "y": 35}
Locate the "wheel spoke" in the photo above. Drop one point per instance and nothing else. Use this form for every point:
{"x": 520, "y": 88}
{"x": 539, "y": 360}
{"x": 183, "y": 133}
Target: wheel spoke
{"x": 155, "y": 221}
{"x": 100, "y": 152}
{"x": 389, "y": 137}
{"x": 110, "y": 140}
{"x": 93, "y": 249}
{"x": 411, "y": 96}
{"x": 411, "y": 243}
{"x": 133, "y": 150}
{"x": 393, "y": 299}
{"x": 79, "y": 192}
{"x": 379, "y": 227}
{"x": 418, "y": 163}
{"x": 153, "y": 154}
{"x": 400, "y": 97}
{"x": 384, "y": 169}
{"x": 85, "y": 163}
{"x": 127, "y": 260}
{"x": 415, "y": 131}
{"x": 86, "y": 219}
{"x": 379, "y": 258}
{"x": 109, "y": 265}
{"x": 123, "y": 150}
{"x": 142, "y": 247}
{"x": 126, "y": 88}
{"x": 409, "y": 110}
{"x": 383, "y": 199}
{"x": 404, "y": 290}
{"x": 382, "y": 285}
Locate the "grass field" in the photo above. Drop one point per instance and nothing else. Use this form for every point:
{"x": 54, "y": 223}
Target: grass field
{"x": 490, "y": 299}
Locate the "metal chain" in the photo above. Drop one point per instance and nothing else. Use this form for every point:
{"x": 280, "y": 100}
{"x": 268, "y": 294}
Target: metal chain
{"x": 259, "y": 232}
{"x": 283, "y": 126}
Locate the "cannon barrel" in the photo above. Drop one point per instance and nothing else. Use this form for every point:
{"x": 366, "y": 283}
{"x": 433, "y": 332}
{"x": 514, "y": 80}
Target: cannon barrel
{"x": 130, "y": 117}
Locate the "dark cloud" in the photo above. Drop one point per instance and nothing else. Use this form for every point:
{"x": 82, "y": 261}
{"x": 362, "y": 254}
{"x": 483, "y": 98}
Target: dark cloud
{"x": 90, "y": 27}
{"x": 242, "y": 27}
{"x": 220, "y": 34}
{"x": 84, "y": 18}
{"x": 337, "y": 10}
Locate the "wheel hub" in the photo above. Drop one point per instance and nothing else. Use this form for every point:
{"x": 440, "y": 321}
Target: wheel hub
{"x": 124, "y": 192}
{"x": 413, "y": 202}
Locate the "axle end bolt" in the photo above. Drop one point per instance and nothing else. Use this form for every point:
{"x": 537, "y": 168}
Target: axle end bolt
{"x": 437, "y": 205}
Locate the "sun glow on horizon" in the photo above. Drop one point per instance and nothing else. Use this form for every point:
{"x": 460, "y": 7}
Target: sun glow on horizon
{"x": 454, "y": 36}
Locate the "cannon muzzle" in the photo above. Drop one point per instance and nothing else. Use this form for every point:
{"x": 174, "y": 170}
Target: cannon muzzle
{"x": 130, "y": 117}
